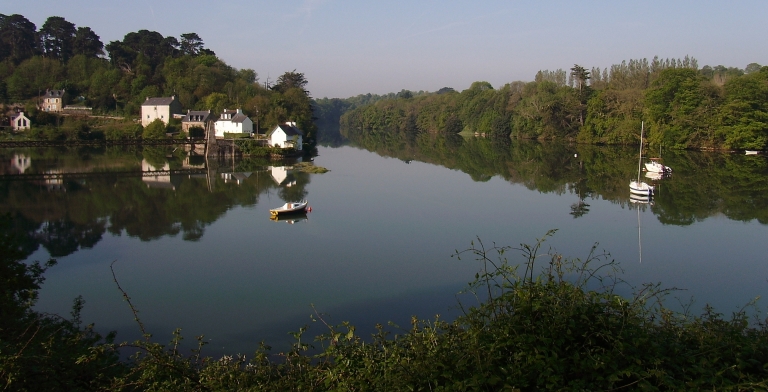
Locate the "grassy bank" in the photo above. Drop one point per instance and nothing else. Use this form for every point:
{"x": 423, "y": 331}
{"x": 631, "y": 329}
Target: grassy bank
{"x": 535, "y": 321}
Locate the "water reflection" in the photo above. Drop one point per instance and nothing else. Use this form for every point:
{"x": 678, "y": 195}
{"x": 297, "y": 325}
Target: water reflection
{"x": 203, "y": 255}
{"x": 68, "y": 200}
{"x": 705, "y": 184}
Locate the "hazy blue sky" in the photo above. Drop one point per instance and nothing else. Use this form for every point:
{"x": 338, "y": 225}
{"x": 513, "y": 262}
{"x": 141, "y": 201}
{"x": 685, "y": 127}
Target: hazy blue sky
{"x": 346, "y": 48}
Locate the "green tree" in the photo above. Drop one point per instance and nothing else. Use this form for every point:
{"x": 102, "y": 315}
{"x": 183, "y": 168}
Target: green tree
{"x": 18, "y": 38}
{"x": 87, "y": 43}
{"x": 154, "y": 130}
{"x": 57, "y": 38}
{"x": 744, "y": 113}
{"x": 681, "y": 107}
{"x": 290, "y": 80}
{"x": 191, "y": 44}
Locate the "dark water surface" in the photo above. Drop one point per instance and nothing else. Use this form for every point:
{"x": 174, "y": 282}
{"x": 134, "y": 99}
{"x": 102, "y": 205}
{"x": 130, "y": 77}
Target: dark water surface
{"x": 196, "y": 249}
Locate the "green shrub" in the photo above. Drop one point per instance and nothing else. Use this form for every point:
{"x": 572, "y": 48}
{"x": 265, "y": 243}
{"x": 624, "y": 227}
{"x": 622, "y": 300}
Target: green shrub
{"x": 154, "y": 130}
{"x": 237, "y": 135}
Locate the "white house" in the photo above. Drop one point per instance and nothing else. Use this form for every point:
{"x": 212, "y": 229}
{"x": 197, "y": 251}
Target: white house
{"x": 162, "y": 108}
{"x": 20, "y": 122}
{"x": 233, "y": 121}
{"x": 286, "y": 135}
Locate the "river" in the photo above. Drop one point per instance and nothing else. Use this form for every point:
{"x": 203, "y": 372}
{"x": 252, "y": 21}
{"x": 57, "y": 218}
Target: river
{"x": 194, "y": 248}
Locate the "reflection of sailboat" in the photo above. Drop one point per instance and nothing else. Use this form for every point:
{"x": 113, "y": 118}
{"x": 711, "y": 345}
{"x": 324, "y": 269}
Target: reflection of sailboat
{"x": 289, "y": 219}
{"x": 638, "y": 187}
{"x": 639, "y": 241}
{"x": 638, "y": 201}
{"x": 654, "y": 175}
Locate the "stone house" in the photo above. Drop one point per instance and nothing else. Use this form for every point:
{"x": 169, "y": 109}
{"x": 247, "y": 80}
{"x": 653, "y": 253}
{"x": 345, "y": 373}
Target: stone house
{"x": 52, "y": 101}
{"x": 195, "y": 118}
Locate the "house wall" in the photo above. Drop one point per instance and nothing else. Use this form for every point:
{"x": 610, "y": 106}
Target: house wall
{"x": 151, "y": 113}
{"x": 20, "y": 122}
{"x": 52, "y": 104}
{"x": 191, "y": 124}
{"x": 279, "y": 138}
{"x": 227, "y": 126}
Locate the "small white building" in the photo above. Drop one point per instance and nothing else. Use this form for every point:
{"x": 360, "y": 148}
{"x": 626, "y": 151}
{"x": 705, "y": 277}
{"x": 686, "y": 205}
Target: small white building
{"x": 163, "y": 108}
{"x": 233, "y": 121}
{"x": 20, "y": 122}
{"x": 286, "y": 136}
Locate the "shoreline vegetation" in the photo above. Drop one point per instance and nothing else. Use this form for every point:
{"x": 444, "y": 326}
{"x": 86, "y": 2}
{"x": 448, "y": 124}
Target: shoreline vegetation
{"x": 103, "y": 86}
{"x": 683, "y": 106}
{"x": 534, "y": 320}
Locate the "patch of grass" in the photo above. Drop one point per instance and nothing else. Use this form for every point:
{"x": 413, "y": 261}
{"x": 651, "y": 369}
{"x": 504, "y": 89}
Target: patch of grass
{"x": 309, "y": 167}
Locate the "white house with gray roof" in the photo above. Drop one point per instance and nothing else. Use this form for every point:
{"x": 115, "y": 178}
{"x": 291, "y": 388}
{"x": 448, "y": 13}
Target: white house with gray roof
{"x": 286, "y": 136}
{"x": 162, "y": 108}
{"x": 233, "y": 121}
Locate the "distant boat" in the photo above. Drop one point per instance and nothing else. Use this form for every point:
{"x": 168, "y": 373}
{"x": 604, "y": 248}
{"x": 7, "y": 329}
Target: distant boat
{"x": 638, "y": 187}
{"x": 655, "y": 166}
{"x": 751, "y": 152}
{"x": 299, "y": 207}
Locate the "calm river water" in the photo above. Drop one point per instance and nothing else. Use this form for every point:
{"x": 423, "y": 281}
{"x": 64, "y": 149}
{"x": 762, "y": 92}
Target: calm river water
{"x": 195, "y": 249}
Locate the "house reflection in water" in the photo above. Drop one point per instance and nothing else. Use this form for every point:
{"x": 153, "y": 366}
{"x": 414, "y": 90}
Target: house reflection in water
{"x": 162, "y": 179}
{"x": 21, "y": 162}
{"x": 282, "y": 176}
{"x": 237, "y": 178}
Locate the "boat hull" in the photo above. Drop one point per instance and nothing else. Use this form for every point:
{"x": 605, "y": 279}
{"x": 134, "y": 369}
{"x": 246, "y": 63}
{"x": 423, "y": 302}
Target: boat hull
{"x": 640, "y": 188}
{"x": 655, "y": 167}
{"x": 290, "y": 209}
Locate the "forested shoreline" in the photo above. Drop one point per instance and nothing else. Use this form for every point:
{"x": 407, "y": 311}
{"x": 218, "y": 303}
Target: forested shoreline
{"x": 683, "y": 107}
{"x": 114, "y": 79}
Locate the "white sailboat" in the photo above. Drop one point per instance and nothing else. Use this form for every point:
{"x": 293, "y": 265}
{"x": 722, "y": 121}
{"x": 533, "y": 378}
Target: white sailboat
{"x": 637, "y": 187}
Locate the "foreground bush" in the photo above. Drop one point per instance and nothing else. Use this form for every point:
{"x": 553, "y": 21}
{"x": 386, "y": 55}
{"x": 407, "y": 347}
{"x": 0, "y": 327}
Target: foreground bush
{"x": 549, "y": 323}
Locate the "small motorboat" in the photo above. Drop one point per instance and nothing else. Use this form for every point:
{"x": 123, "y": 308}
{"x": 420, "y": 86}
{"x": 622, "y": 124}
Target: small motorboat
{"x": 752, "y": 152}
{"x": 291, "y": 207}
{"x": 655, "y": 166}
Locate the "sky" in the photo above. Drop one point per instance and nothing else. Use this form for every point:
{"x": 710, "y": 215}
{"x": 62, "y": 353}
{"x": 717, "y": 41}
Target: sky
{"x": 345, "y": 48}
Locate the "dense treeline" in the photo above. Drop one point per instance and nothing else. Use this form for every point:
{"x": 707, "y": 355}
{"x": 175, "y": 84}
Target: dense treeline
{"x": 683, "y": 106}
{"x": 545, "y": 324}
{"x": 116, "y": 78}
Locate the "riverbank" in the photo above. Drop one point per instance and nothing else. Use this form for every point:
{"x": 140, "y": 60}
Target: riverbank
{"x": 535, "y": 329}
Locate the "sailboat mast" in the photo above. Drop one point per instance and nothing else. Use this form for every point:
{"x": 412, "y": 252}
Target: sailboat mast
{"x": 640, "y": 160}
